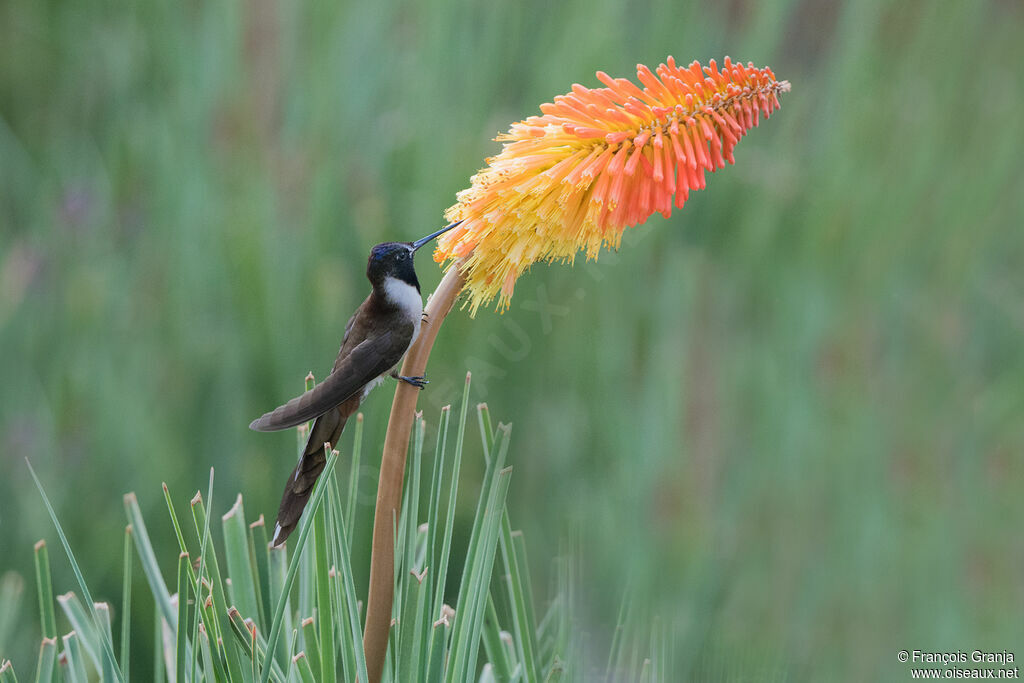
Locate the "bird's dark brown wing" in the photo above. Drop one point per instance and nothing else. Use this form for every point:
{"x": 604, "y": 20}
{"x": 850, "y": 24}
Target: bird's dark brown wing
{"x": 367, "y": 361}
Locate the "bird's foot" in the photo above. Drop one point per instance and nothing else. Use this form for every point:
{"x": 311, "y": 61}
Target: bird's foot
{"x": 419, "y": 381}
{"x": 425, "y": 317}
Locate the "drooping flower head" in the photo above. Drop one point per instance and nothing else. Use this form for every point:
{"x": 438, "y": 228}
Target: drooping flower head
{"x": 597, "y": 161}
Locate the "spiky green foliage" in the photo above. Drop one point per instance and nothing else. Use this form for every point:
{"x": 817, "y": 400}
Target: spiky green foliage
{"x": 237, "y": 611}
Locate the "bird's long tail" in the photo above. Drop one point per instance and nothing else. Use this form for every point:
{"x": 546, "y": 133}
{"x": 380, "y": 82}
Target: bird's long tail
{"x": 326, "y": 430}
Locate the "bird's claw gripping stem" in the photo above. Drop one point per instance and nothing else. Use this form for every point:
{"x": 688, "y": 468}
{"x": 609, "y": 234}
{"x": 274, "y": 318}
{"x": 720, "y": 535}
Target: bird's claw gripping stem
{"x": 419, "y": 381}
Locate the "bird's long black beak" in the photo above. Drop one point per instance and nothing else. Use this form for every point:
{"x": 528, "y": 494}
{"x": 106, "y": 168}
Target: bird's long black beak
{"x": 423, "y": 240}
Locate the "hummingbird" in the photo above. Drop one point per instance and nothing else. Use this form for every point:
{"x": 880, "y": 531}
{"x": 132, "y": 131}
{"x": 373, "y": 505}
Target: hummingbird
{"x": 376, "y": 337}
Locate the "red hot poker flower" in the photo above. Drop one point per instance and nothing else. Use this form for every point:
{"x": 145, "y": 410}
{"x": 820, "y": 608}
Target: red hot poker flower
{"x": 597, "y": 161}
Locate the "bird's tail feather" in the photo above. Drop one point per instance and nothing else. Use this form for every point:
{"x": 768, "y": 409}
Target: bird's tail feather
{"x": 299, "y": 487}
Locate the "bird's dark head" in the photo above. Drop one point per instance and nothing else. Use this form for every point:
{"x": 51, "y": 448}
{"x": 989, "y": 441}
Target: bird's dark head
{"x": 392, "y": 259}
{"x": 395, "y": 259}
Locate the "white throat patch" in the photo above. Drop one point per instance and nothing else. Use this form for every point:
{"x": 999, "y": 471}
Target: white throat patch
{"x": 408, "y": 300}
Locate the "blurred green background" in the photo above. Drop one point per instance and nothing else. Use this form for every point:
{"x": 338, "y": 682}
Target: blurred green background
{"x": 791, "y": 414}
